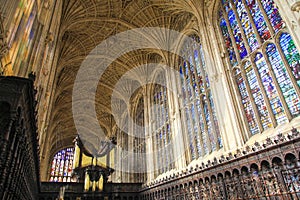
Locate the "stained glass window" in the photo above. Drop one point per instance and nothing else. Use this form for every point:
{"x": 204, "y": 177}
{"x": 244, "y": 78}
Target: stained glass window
{"x": 198, "y": 111}
{"x": 291, "y": 54}
{"x": 259, "y": 20}
{"x": 139, "y": 146}
{"x": 247, "y": 26}
{"x": 257, "y": 95}
{"x": 62, "y": 164}
{"x": 273, "y": 14}
{"x": 228, "y": 43}
{"x": 161, "y": 126}
{"x": 283, "y": 79}
{"x": 237, "y": 34}
{"x": 249, "y": 112}
{"x": 270, "y": 89}
{"x": 267, "y": 83}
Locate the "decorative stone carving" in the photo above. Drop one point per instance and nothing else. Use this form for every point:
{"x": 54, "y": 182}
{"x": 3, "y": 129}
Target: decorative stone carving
{"x": 296, "y": 6}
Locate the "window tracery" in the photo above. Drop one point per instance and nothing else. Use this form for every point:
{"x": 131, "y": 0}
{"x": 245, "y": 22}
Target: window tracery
{"x": 197, "y": 107}
{"x": 161, "y": 129}
{"x": 62, "y": 165}
{"x": 265, "y": 62}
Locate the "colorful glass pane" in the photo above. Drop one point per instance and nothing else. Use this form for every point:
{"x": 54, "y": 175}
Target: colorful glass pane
{"x": 247, "y": 26}
{"x": 228, "y": 42}
{"x": 61, "y": 168}
{"x": 270, "y": 89}
{"x": 250, "y": 116}
{"x": 237, "y": 34}
{"x": 198, "y": 114}
{"x": 273, "y": 14}
{"x": 257, "y": 96}
{"x": 259, "y": 20}
{"x": 291, "y": 54}
{"x": 283, "y": 80}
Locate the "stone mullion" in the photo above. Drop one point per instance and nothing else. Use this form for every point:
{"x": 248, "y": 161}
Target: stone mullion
{"x": 253, "y": 23}
{"x": 189, "y": 110}
{"x": 195, "y": 98}
{"x": 280, "y": 95}
{"x": 162, "y": 128}
{"x": 160, "y": 133}
{"x": 205, "y": 131}
{"x": 237, "y": 53}
{"x": 265, "y": 17}
{"x": 207, "y": 95}
{"x": 205, "y": 125}
{"x": 182, "y": 113}
{"x": 191, "y": 102}
{"x": 206, "y": 89}
{"x": 131, "y": 143}
{"x": 189, "y": 85}
{"x": 266, "y": 100}
{"x": 237, "y": 17}
{"x": 288, "y": 69}
{"x": 154, "y": 133}
{"x": 121, "y": 135}
{"x": 169, "y": 108}
{"x": 214, "y": 131}
{"x": 254, "y": 107}
{"x": 244, "y": 120}
{"x": 148, "y": 138}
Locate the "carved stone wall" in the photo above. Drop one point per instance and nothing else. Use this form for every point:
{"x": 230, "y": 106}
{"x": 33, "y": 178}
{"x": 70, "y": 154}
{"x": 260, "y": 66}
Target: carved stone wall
{"x": 270, "y": 170}
{"x": 19, "y": 166}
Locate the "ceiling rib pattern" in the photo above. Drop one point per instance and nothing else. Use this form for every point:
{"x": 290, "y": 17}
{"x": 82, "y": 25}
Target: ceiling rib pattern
{"x": 84, "y": 25}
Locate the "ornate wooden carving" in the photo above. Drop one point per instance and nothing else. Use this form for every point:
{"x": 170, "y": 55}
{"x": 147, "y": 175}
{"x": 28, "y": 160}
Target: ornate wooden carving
{"x": 269, "y": 170}
{"x": 19, "y": 166}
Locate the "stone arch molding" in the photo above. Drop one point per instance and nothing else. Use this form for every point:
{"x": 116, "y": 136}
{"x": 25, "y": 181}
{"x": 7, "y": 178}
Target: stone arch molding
{"x": 95, "y": 64}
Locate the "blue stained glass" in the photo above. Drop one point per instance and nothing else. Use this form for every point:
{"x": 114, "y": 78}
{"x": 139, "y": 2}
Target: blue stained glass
{"x": 62, "y": 166}
{"x": 291, "y": 54}
{"x": 257, "y": 96}
{"x": 251, "y": 119}
{"x": 283, "y": 80}
{"x": 259, "y": 20}
{"x": 270, "y": 89}
{"x": 237, "y": 34}
{"x": 273, "y": 14}
{"x": 247, "y": 26}
{"x": 228, "y": 42}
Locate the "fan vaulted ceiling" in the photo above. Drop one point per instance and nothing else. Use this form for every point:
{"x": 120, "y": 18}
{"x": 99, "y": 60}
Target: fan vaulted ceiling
{"x": 84, "y": 24}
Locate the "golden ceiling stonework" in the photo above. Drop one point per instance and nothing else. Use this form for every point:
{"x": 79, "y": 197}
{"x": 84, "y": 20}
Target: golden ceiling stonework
{"x": 86, "y": 23}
